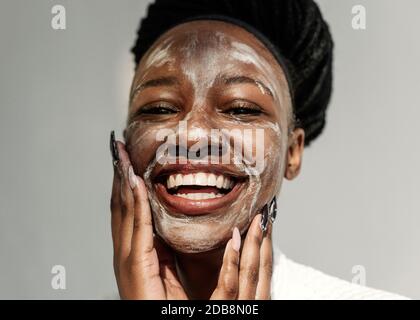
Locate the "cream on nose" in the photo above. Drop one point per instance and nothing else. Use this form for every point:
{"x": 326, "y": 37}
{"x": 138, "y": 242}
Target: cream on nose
{"x": 197, "y": 124}
{"x": 196, "y": 129}
{"x": 197, "y": 133}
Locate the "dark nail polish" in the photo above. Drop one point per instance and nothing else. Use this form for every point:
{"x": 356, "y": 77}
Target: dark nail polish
{"x": 269, "y": 212}
{"x": 264, "y": 218}
{"x": 113, "y": 147}
{"x": 273, "y": 209}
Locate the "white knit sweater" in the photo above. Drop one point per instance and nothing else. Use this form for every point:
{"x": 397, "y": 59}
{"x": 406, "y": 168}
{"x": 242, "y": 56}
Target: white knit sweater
{"x": 293, "y": 281}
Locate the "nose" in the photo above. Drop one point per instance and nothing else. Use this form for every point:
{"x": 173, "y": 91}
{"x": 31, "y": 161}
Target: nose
{"x": 197, "y": 137}
{"x": 197, "y": 125}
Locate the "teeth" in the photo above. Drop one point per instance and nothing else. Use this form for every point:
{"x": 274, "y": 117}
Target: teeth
{"x": 178, "y": 180}
{"x": 211, "y": 180}
{"x": 171, "y": 182}
{"x": 199, "y": 179}
{"x": 226, "y": 184}
{"x": 188, "y": 180}
{"x": 199, "y": 196}
{"x": 219, "y": 182}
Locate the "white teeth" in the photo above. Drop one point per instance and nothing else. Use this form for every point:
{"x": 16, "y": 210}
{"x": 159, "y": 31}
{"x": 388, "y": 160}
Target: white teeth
{"x": 226, "y": 184}
{"x": 211, "y": 180}
{"x": 199, "y": 179}
{"x": 178, "y": 180}
{"x": 199, "y": 196}
{"x": 219, "y": 182}
{"x": 171, "y": 182}
{"x": 188, "y": 180}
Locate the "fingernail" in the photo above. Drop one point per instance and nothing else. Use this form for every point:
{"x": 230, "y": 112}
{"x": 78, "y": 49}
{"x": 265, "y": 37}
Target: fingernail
{"x": 113, "y": 147}
{"x": 264, "y": 218}
{"x": 236, "y": 239}
{"x": 132, "y": 178}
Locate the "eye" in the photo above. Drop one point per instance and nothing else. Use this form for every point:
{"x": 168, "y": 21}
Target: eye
{"x": 243, "y": 109}
{"x": 158, "y": 109}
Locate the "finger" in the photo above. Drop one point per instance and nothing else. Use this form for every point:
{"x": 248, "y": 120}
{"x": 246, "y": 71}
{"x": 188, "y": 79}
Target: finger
{"x": 126, "y": 203}
{"x": 116, "y": 218}
{"x": 250, "y": 261}
{"x": 227, "y": 285}
{"x": 115, "y": 210}
{"x": 266, "y": 266}
{"x": 142, "y": 240}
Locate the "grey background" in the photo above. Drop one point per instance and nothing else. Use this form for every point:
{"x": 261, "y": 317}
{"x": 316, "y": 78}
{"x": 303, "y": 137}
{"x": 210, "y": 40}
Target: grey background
{"x": 63, "y": 91}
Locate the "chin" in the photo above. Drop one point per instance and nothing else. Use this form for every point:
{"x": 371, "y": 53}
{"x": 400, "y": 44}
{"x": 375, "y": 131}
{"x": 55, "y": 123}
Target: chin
{"x": 188, "y": 236}
{"x": 197, "y": 233}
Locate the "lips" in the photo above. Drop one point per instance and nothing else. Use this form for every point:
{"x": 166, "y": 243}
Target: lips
{"x": 197, "y": 189}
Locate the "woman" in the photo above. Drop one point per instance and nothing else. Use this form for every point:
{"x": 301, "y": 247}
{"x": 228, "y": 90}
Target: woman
{"x": 225, "y": 96}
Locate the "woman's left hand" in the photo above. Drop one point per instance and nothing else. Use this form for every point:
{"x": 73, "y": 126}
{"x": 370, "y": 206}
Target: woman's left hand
{"x": 246, "y": 274}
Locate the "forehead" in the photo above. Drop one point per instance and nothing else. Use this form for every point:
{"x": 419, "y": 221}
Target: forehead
{"x": 210, "y": 46}
{"x": 196, "y": 36}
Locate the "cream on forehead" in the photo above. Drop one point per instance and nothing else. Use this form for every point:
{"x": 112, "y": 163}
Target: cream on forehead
{"x": 202, "y": 54}
{"x": 160, "y": 55}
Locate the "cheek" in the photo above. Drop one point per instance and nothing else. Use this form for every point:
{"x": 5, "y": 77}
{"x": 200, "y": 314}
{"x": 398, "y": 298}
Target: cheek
{"x": 274, "y": 154}
{"x": 141, "y": 145}
{"x": 265, "y": 150}
{"x": 274, "y": 151}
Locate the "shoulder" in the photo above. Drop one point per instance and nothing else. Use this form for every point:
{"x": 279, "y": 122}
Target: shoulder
{"x": 292, "y": 280}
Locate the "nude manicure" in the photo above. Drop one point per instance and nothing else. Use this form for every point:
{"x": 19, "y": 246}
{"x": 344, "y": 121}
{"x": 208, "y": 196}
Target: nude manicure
{"x": 132, "y": 178}
{"x": 236, "y": 239}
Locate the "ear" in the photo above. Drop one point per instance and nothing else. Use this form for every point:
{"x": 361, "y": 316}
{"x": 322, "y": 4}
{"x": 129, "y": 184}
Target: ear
{"x": 294, "y": 153}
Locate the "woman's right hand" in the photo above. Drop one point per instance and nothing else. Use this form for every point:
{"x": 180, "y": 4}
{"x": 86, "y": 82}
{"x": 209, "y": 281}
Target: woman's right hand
{"x": 144, "y": 266}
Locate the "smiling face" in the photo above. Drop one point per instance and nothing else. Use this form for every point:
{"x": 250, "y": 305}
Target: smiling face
{"x": 208, "y": 85}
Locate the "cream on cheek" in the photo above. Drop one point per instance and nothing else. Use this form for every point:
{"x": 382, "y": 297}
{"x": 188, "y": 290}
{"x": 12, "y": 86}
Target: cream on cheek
{"x": 200, "y": 66}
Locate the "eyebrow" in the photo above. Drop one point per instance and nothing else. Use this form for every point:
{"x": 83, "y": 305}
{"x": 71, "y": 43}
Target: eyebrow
{"x": 173, "y": 81}
{"x": 240, "y": 79}
{"x": 152, "y": 83}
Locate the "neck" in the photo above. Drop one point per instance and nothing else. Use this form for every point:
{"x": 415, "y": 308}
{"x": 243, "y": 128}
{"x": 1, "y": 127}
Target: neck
{"x": 199, "y": 272}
